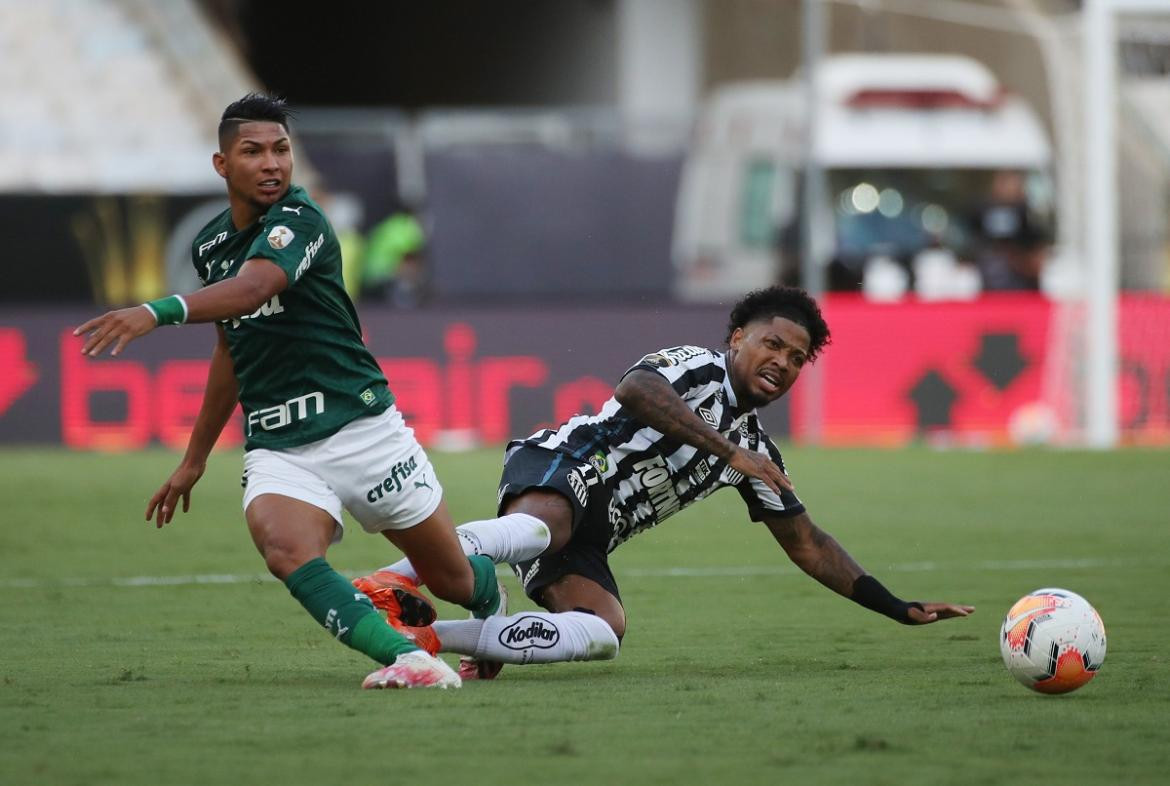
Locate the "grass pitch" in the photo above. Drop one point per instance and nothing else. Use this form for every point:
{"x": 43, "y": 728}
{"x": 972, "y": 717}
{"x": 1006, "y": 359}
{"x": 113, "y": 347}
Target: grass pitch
{"x": 136, "y": 656}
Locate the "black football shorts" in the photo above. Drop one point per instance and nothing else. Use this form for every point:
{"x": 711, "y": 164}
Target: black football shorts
{"x": 586, "y": 554}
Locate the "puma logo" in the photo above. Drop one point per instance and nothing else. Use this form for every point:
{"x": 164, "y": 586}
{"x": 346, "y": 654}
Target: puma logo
{"x": 422, "y": 484}
{"x": 296, "y": 210}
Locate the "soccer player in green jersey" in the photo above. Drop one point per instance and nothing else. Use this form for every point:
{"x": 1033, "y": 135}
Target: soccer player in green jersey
{"x": 322, "y": 429}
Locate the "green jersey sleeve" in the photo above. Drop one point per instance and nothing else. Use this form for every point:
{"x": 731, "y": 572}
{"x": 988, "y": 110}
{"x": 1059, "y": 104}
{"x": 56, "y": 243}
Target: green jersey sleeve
{"x": 292, "y": 236}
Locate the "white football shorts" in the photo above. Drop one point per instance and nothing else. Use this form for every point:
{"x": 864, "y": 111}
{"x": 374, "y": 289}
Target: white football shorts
{"x": 373, "y": 467}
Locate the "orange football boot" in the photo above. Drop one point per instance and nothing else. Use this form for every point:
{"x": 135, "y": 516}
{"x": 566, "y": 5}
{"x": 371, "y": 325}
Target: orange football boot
{"x": 422, "y": 635}
{"x": 399, "y": 597}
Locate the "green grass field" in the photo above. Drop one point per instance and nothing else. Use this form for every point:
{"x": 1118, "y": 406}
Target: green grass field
{"x": 138, "y": 656}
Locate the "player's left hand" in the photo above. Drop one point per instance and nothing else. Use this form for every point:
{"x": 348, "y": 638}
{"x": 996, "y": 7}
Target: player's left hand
{"x": 178, "y": 487}
{"x": 933, "y": 612}
{"x": 115, "y": 327}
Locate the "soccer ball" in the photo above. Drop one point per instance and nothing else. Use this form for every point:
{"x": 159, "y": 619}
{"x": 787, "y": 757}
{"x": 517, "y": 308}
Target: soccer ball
{"x": 1052, "y": 640}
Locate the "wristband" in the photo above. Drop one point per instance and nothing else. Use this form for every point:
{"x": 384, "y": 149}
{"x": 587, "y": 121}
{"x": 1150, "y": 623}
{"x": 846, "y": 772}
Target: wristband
{"x": 869, "y": 592}
{"x": 170, "y": 310}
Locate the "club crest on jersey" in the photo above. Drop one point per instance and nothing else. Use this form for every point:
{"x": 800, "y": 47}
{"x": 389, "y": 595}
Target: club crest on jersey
{"x": 657, "y": 360}
{"x": 280, "y": 237}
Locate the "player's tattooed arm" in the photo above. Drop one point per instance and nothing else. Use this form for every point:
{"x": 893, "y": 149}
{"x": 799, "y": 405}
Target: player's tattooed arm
{"x": 653, "y": 401}
{"x": 816, "y": 552}
{"x": 819, "y": 555}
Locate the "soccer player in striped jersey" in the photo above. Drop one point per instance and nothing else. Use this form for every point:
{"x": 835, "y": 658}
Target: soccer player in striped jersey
{"x": 681, "y": 425}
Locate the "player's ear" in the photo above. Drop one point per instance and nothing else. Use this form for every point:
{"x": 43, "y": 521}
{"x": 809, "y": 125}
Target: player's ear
{"x": 220, "y": 164}
{"x": 736, "y": 338}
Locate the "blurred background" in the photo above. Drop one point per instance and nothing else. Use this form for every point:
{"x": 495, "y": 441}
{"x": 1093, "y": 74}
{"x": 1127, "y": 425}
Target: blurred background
{"x": 531, "y": 194}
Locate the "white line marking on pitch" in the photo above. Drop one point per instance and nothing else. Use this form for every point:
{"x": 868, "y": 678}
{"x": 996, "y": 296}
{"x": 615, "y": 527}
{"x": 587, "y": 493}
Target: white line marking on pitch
{"x": 730, "y": 571}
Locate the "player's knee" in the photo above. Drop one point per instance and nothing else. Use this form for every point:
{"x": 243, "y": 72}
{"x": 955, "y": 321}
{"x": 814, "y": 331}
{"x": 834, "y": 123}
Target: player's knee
{"x": 283, "y": 560}
{"x": 549, "y": 507}
{"x": 615, "y": 625}
{"x": 602, "y": 641}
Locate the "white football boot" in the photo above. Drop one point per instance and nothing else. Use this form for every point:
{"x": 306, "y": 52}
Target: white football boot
{"x": 415, "y": 669}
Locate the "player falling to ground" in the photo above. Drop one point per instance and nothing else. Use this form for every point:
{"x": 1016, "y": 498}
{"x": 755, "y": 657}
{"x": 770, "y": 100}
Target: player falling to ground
{"x": 322, "y": 429}
{"x": 681, "y": 425}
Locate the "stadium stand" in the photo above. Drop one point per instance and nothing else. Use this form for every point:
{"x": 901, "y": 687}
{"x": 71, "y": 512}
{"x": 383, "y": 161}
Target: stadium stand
{"x": 96, "y": 98}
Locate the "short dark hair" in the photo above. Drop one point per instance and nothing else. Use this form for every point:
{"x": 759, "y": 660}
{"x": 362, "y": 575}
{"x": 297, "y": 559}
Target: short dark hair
{"x": 254, "y": 107}
{"x": 788, "y": 302}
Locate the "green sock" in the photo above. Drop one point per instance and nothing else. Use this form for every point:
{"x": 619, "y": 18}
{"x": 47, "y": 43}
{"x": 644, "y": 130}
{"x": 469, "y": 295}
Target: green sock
{"x": 485, "y": 597}
{"x": 346, "y": 613}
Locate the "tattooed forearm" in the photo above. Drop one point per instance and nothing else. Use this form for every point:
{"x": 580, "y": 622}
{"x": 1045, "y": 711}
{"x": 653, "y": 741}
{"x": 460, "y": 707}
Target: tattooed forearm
{"x": 833, "y": 567}
{"x": 817, "y": 553}
{"x": 653, "y": 401}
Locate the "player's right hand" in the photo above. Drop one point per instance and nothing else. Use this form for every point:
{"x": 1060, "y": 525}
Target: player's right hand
{"x": 178, "y": 486}
{"x": 756, "y": 465}
{"x": 115, "y": 327}
{"x": 933, "y": 612}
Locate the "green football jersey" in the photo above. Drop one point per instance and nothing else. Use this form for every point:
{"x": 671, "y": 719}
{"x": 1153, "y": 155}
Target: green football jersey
{"x": 302, "y": 368}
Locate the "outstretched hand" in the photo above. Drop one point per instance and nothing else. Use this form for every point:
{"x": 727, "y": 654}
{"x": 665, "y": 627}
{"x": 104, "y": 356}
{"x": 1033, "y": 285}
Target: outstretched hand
{"x": 115, "y": 327}
{"x": 933, "y": 612}
{"x": 178, "y": 486}
{"x": 759, "y": 466}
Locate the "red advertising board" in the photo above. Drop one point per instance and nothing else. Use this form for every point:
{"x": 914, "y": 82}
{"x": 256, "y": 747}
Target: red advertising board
{"x": 964, "y": 372}
{"x": 895, "y": 371}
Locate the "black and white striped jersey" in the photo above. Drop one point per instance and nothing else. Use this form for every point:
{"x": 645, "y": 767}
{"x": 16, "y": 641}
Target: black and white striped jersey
{"x": 651, "y": 476}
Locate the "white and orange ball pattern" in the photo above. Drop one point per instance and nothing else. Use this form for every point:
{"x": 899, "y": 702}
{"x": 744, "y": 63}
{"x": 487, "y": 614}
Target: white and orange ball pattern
{"x": 1052, "y": 640}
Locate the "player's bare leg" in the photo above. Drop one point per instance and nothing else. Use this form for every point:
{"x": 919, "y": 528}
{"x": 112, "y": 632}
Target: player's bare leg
{"x": 433, "y": 550}
{"x": 435, "y": 557}
{"x": 515, "y": 536}
{"x": 552, "y": 508}
{"x": 429, "y": 548}
{"x": 288, "y": 532}
{"x": 293, "y": 536}
{"x": 577, "y": 593}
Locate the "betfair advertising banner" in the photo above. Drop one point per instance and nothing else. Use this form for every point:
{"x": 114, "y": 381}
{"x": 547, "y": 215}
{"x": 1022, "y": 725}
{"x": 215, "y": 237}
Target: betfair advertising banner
{"x": 989, "y": 372}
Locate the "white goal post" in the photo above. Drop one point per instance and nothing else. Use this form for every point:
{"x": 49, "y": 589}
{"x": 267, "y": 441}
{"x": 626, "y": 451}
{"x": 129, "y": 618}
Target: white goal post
{"x": 1099, "y": 31}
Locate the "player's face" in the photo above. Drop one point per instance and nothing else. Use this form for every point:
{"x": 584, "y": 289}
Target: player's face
{"x": 258, "y": 164}
{"x": 765, "y": 359}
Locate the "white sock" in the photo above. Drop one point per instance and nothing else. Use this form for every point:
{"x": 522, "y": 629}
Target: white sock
{"x": 531, "y": 637}
{"x": 513, "y": 538}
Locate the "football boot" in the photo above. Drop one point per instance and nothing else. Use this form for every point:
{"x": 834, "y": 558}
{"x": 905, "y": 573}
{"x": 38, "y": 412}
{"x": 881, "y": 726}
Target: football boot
{"x": 415, "y": 669}
{"x": 399, "y": 597}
